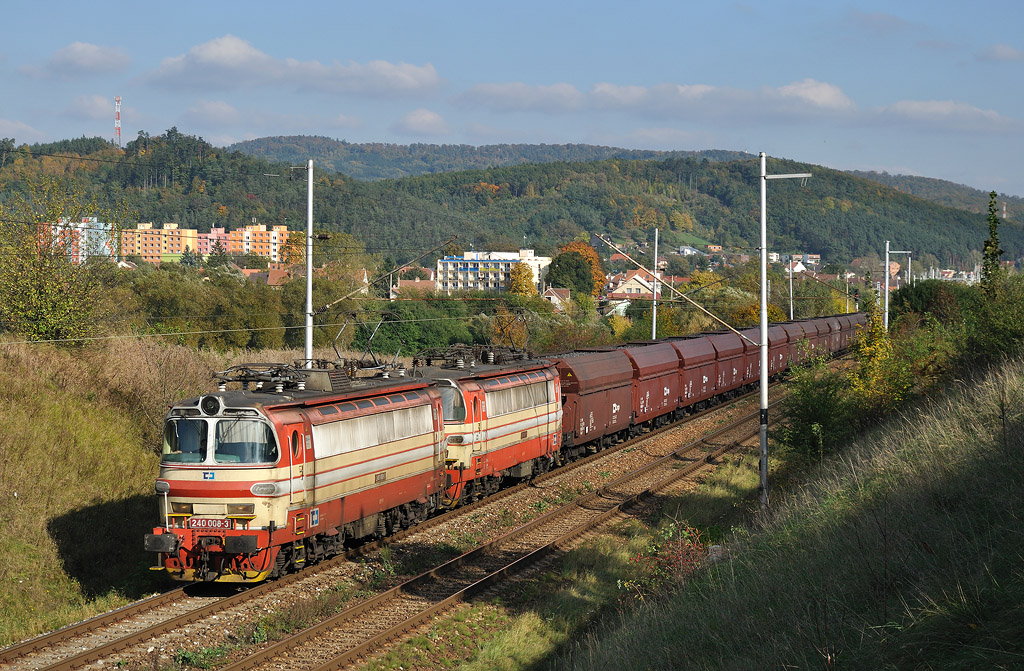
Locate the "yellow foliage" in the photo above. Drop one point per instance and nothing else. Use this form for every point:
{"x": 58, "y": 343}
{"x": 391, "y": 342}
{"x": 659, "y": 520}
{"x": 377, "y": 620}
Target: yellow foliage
{"x": 702, "y": 278}
{"x": 880, "y": 381}
{"x": 619, "y": 325}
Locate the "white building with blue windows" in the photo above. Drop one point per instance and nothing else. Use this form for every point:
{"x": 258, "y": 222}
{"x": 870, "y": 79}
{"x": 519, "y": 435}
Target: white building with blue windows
{"x": 486, "y": 271}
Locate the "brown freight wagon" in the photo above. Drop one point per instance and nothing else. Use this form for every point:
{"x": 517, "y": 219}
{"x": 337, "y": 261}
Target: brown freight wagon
{"x": 729, "y": 352}
{"x": 597, "y": 396}
{"x": 655, "y": 380}
{"x": 696, "y": 372}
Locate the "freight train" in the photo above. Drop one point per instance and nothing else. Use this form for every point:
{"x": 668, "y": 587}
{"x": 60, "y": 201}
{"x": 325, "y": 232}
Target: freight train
{"x": 292, "y": 464}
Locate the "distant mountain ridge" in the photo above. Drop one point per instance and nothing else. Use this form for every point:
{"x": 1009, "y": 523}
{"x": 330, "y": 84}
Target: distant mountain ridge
{"x": 175, "y": 177}
{"x": 378, "y": 160}
{"x": 946, "y": 193}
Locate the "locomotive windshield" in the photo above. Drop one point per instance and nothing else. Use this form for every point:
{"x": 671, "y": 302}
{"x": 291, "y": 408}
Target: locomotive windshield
{"x": 185, "y": 441}
{"x": 235, "y": 441}
{"x": 244, "y": 441}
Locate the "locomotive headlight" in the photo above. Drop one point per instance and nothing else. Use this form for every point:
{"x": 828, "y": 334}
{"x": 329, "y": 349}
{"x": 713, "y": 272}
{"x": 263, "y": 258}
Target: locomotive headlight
{"x": 162, "y": 487}
{"x": 241, "y": 509}
{"x": 264, "y": 489}
{"x": 210, "y": 405}
{"x": 179, "y": 508}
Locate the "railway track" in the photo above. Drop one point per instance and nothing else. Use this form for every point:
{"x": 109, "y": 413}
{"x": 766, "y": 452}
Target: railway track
{"x": 367, "y": 627}
{"x": 109, "y": 634}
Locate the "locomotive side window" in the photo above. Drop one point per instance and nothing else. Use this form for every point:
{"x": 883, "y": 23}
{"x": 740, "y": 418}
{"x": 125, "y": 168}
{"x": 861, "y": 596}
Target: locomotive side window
{"x": 185, "y": 441}
{"x": 244, "y": 441}
{"x": 371, "y": 430}
{"x": 451, "y": 401}
{"x": 513, "y": 399}
{"x": 296, "y": 445}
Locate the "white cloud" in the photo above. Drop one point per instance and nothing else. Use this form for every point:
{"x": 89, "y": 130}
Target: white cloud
{"x": 517, "y": 96}
{"x": 817, "y": 94}
{"x": 950, "y": 115}
{"x": 91, "y": 107}
{"x": 212, "y": 113}
{"x": 804, "y": 98}
{"x": 20, "y": 131}
{"x": 658, "y": 138}
{"x": 231, "y": 62}
{"x": 421, "y": 122}
{"x": 80, "y": 59}
{"x": 344, "y": 121}
{"x": 375, "y": 77}
{"x": 1001, "y": 52}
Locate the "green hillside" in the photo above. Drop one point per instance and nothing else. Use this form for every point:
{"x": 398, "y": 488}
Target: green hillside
{"x": 946, "y": 193}
{"x": 180, "y": 178}
{"x": 377, "y": 160}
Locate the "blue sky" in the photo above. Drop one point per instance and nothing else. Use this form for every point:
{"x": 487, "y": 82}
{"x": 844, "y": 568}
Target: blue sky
{"x": 927, "y": 88}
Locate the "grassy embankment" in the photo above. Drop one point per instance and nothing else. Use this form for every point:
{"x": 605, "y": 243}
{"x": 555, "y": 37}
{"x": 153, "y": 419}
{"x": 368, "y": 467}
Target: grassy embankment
{"x": 902, "y": 551}
{"x": 79, "y": 430}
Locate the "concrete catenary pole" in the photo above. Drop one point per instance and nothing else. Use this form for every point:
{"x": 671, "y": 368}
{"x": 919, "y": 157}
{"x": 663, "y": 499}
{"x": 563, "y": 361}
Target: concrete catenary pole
{"x": 309, "y": 264}
{"x": 654, "y": 304}
{"x": 885, "y": 290}
{"x": 764, "y": 318}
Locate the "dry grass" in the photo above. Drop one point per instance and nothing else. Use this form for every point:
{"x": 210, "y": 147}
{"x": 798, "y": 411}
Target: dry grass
{"x": 79, "y": 431}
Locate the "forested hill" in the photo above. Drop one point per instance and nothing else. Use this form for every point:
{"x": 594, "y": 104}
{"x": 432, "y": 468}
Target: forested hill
{"x": 373, "y": 161}
{"x": 946, "y": 193}
{"x": 179, "y": 178}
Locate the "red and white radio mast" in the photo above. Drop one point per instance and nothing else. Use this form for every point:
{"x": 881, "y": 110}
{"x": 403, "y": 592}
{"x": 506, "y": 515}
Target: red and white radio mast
{"x": 117, "y": 120}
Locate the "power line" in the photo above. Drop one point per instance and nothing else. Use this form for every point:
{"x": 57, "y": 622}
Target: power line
{"x": 137, "y": 336}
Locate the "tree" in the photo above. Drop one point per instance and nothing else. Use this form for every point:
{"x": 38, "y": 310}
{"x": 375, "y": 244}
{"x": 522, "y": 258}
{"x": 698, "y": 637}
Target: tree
{"x": 6, "y": 147}
{"x": 520, "y": 282}
{"x": 218, "y": 256}
{"x": 589, "y": 254}
{"x": 990, "y": 269}
{"x": 570, "y": 270}
{"x": 253, "y": 260}
{"x": 416, "y": 273}
{"x": 293, "y": 251}
{"x": 47, "y": 295}
{"x": 189, "y": 258}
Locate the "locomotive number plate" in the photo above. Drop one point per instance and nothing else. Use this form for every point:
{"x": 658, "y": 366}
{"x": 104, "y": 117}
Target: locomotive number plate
{"x": 208, "y": 523}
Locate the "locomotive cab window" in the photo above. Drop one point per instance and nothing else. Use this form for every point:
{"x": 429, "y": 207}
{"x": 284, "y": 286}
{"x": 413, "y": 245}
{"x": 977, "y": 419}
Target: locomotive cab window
{"x": 244, "y": 441}
{"x": 451, "y": 401}
{"x": 184, "y": 441}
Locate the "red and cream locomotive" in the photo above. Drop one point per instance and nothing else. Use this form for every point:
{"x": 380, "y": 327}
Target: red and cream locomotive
{"x": 258, "y": 481}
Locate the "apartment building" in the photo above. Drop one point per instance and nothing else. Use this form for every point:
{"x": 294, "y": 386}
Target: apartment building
{"x": 486, "y": 271}
{"x": 155, "y": 245}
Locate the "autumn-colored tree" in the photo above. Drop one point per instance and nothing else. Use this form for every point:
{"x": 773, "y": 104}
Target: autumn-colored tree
{"x": 589, "y": 255}
{"x": 293, "y": 251}
{"x": 509, "y": 329}
{"x": 520, "y": 280}
{"x": 881, "y": 379}
{"x": 47, "y": 294}
{"x": 703, "y": 278}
